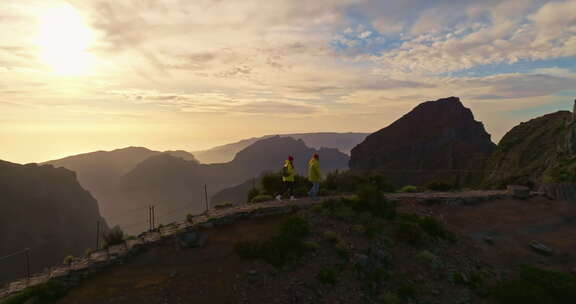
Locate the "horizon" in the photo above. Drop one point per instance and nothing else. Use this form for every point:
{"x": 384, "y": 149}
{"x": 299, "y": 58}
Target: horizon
{"x": 82, "y": 76}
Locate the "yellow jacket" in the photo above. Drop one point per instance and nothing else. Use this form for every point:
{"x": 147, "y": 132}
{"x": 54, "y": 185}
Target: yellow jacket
{"x": 290, "y": 170}
{"x": 314, "y": 174}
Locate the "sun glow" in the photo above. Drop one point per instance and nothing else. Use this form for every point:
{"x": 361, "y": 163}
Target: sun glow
{"x": 63, "y": 40}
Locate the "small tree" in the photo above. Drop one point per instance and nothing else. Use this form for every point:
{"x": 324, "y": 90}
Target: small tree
{"x": 114, "y": 237}
{"x": 254, "y": 192}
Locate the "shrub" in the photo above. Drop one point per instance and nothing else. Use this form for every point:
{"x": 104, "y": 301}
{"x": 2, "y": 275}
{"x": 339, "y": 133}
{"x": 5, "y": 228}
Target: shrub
{"x": 68, "y": 260}
{"x": 372, "y": 200}
{"x": 537, "y": 286}
{"x": 430, "y": 225}
{"x": 295, "y": 227}
{"x": 114, "y": 237}
{"x": 409, "y": 189}
{"x": 47, "y": 292}
{"x": 254, "y": 192}
{"x": 317, "y": 208}
{"x": 349, "y": 182}
{"x": 88, "y": 252}
{"x": 374, "y": 228}
{"x": 411, "y": 233}
{"x": 331, "y": 236}
{"x": 284, "y": 247}
{"x": 261, "y": 198}
{"x": 426, "y": 256}
{"x": 224, "y": 205}
{"x": 272, "y": 183}
{"x": 438, "y": 186}
{"x": 328, "y": 276}
{"x": 391, "y": 298}
{"x": 342, "y": 249}
{"x": 434, "y": 228}
{"x": 190, "y": 218}
{"x": 406, "y": 291}
{"x": 358, "y": 229}
{"x": 310, "y": 245}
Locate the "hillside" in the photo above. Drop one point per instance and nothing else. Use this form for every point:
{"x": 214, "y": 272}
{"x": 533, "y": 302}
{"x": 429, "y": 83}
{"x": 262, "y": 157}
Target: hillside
{"x": 437, "y": 140}
{"x": 534, "y": 153}
{"x": 345, "y": 251}
{"x": 341, "y": 141}
{"x": 44, "y": 209}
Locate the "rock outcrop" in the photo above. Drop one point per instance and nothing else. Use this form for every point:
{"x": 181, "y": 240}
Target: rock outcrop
{"x": 437, "y": 140}
{"x": 535, "y": 153}
{"x": 45, "y": 209}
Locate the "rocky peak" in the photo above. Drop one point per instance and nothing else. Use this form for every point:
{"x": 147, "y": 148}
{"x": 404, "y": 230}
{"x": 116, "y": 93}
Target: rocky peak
{"x": 435, "y": 137}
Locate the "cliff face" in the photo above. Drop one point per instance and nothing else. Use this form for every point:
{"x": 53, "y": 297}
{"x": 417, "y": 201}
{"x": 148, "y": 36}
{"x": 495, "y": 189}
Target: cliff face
{"x": 437, "y": 140}
{"x": 44, "y": 209}
{"x": 535, "y": 152}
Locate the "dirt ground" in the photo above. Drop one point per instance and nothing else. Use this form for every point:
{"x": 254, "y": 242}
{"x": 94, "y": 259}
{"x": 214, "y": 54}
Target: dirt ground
{"x": 215, "y": 273}
{"x": 512, "y": 225}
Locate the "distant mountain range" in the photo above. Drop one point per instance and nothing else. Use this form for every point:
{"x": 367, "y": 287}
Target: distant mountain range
{"x": 45, "y": 209}
{"x": 127, "y": 181}
{"x": 341, "y": 141}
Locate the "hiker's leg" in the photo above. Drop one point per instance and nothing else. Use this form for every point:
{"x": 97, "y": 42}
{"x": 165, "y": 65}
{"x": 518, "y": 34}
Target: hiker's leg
{"x": 291, "y": 188}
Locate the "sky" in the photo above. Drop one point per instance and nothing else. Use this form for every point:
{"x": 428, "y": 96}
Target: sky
{"x": 85, "y": 75}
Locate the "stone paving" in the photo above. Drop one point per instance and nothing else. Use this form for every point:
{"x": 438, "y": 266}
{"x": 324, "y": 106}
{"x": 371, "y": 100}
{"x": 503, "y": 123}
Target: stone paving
{"x": 83, "y": 267}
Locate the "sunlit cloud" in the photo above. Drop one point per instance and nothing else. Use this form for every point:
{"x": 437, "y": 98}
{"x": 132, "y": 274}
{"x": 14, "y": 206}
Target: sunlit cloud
{"x": 218, "y": 71}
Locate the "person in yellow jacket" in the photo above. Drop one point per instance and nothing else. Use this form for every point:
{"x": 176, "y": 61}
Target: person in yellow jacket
{"x": 314, "y": 175}
{"x": 288, "y": 179}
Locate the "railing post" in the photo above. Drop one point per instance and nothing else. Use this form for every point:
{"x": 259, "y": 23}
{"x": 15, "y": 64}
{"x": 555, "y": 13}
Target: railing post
{"x": 27, "y": 263}
{"x": 149, "y": 218}
{"x": 206, "y": 196}
{"x": 153, "y": 218}
{"x": 97, "y": 234}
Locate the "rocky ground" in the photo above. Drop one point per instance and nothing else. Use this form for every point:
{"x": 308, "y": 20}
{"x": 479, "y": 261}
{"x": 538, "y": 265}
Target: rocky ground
{"x": 345, "y": 263}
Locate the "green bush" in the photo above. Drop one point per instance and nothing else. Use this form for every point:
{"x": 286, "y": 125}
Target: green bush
{"x": 342, "y": 249}
{"x": 438, "y": 186}
{"x": 254, "y": 192}
{"x": 328, "y": 276}
{"x": 190, "y": 218}
{"x": 406, "y": 291}
{"x": 331, "y": 236}
{"x": 537, "y": 286}
{"x": 430, "y": 225}
{"x": 391, "y": 298}
{"x": 372, "y": 200}
{"x": 68, "y": 260}
{"x": 285, "y": 246}
{"x": 261, "y": 198}
{"x": 48, "y": 292}
{"x": 114, "y": 237}
{"x": 311, "y": 245}
{"x": 272, "y": 183}
{"x": 411, "y": 233}
{"x": 409, "y": 189}
{"x": 350, "y": 182}
{"x": 295, "y": 227}
{"x": 224, "y": 205}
